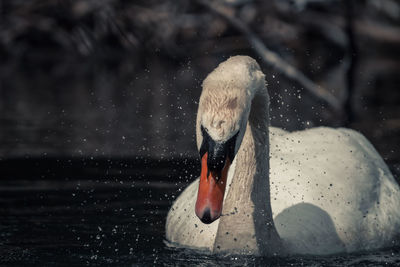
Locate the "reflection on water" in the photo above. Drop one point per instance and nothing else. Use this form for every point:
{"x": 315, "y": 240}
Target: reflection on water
{"x": 114, "y": 216}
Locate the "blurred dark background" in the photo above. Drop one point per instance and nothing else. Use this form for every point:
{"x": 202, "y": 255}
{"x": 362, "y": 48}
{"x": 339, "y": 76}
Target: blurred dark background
{"x": 121, "y": 79}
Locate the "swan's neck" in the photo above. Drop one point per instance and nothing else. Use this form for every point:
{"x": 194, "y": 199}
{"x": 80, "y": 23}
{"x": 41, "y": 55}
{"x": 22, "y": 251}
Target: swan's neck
{"x": 246, "y": 224}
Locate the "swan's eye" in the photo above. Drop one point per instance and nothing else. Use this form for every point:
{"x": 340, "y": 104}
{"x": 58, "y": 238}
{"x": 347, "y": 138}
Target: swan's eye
{"x": 203, "y": 131}
{"x": 206, "y": 138}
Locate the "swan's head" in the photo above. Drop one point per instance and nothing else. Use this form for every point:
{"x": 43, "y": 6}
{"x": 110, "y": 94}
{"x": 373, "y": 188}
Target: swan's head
{"x": 222, "y": 116}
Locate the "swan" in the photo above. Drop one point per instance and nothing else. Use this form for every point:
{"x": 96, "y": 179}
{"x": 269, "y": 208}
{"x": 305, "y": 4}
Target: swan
{"x": 266, "y": 191}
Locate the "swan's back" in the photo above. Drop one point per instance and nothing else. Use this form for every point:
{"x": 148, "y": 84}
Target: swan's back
{"x": 338, "y": 179}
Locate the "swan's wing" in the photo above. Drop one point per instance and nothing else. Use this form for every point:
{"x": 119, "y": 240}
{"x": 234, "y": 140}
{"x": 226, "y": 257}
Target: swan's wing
{"x": 380, "y": 222}
{"x": 183, "y": 228}
{"x": 338, "y": 172}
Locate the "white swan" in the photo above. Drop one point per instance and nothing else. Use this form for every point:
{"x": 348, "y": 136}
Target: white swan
{"x": 321, "y": 191}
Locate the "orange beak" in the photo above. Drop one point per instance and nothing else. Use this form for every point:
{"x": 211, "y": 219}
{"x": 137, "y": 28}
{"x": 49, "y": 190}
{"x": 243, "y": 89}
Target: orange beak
{"x": 211, "y": 191}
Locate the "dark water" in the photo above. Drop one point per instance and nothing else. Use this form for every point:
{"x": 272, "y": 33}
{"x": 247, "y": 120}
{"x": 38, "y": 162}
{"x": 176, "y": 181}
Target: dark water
{"x": 77, "y": 212}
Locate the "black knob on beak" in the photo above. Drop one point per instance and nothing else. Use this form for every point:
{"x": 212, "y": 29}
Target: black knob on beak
{"x": 218, "y": 152}
{"x": 217, "y": 155}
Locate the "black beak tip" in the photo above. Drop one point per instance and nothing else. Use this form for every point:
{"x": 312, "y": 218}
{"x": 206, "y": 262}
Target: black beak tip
{"x": 206, "y": 218}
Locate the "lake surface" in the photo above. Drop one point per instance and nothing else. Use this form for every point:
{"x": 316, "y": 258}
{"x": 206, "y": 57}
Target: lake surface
{"x": 103, "y": 212}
